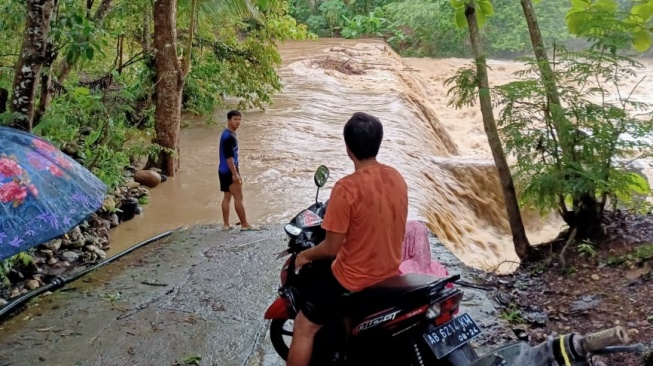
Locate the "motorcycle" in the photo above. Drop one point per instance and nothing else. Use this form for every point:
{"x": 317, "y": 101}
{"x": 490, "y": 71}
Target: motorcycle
{"x": 566, "y": 350}
{"x": 410, "y": 319}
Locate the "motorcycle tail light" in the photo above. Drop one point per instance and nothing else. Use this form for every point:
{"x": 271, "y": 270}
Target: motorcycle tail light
{"x": 443, "y": 310}
{"x": 433, "y": 311}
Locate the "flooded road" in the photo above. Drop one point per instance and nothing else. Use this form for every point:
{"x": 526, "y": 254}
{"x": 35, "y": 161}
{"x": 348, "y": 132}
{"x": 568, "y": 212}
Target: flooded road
{"x": 443, "y": 153}
{"x": 200, "y": 293}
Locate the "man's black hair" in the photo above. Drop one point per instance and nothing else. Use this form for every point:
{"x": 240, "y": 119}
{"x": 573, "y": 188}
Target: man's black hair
{"x": 233, "y": 113}
{"x": 363, "y": 134}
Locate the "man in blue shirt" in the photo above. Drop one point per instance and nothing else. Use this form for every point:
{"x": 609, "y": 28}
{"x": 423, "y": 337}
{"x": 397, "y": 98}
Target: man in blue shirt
{"x": 230, "y": 181}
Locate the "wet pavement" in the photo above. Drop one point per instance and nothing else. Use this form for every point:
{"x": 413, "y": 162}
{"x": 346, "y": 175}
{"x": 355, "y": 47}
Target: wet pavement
{"x": 198, "y": 293}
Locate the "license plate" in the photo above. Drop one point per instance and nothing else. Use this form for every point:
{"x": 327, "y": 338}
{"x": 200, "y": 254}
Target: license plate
{"x": 447, "y": 337}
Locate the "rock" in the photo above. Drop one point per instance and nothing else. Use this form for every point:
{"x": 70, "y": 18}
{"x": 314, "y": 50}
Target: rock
{"x": 115, "y": 221}
{"x": 93, "y": 249}
{"x": 109, "y": 204}
{"x": 47, "y": 252}
{"x": 70, "y": 256}
{"x": 535, "y": 318}
{"x": 89, "y": 239}
{"x": 130, "y": 185}
{"x": 52, "y": 261}
{"x": 75, "y": 238}
{"x": 3, "y": 302}
{"x": 155, "y": 169}
{"x": 53, "y": 245}
{"x": 33, "y": 284}
{"x": 586, "y": 303}
{"x": 128, "y": 208}
{"x": 14, "y": 293}
{"x": 148, "y": 178}
{"x": 595, "y": 277}
{"x": 103, "y": 233}
{"x": 103, "y": 243}
{"x": 64, "y": 264}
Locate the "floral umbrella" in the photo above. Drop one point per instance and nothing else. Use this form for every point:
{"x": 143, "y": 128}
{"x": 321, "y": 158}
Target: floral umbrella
{"x": 43, "y": 192}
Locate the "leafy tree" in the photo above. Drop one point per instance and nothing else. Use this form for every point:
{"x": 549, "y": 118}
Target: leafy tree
{"x": 606, "y": 137}
{"x": 473, "y": 14}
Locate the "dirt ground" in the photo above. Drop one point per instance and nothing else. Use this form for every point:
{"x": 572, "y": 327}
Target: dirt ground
{"x": 601, "y": 286}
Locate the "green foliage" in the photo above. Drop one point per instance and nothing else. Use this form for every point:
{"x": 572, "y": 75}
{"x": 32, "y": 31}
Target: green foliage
{"x": 641, "y": 253}
{"x": 21, "y": 259}
{"x": 603, "y": 134}
{"x": 228, "y": 64}
{"x": 611, "y": 23}
{"x": 93, "y": 128}
{"x": 483, "y": 8}
{"x": 587, "y": 248}
{"x": 365, "y": 25}
{"x": 427, "y": 27}
{"x": 512, "y": 314}
{"x": 76, "y": 34}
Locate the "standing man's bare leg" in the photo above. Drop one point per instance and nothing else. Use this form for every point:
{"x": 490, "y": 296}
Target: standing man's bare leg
{"x": 236, "y": 190}
{"x": 226, "y": 202}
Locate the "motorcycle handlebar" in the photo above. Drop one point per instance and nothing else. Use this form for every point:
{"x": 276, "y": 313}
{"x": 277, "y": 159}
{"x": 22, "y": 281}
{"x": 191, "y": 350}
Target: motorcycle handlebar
{"x": 610, "y": 337}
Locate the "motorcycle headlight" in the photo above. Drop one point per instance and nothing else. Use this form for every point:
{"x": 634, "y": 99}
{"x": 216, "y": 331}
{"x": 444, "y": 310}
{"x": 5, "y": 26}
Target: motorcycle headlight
{"x": 292, "y": 230}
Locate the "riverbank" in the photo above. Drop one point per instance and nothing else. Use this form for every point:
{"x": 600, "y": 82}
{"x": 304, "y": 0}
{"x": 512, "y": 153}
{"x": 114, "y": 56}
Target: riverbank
{"x": 201, "y": 292}
{"x": 604, "y": 284}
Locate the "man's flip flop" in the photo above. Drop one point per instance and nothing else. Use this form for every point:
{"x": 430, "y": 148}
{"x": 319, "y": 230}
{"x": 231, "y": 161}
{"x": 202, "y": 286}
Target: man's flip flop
{"x": 251, "y": 228}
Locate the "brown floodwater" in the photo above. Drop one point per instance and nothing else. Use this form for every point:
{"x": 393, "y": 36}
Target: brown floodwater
{"x": 446, "y": 162}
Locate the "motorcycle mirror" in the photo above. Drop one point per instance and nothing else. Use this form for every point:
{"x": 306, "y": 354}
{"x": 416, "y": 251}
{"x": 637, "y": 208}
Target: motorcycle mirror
{"x": 321, "y": 176}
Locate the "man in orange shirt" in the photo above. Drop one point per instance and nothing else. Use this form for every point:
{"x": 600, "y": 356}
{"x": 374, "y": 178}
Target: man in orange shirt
{"x": 365, "y": 224}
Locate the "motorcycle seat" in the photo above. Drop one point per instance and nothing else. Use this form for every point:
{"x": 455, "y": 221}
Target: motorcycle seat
{"x": 401, "y": 286}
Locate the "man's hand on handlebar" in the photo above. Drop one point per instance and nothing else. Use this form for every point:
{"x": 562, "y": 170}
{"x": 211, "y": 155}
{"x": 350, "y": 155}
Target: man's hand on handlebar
{"x": 301, "y": 261}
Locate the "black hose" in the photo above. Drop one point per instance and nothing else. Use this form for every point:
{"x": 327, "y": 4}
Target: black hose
{"x": 58, "y": 282}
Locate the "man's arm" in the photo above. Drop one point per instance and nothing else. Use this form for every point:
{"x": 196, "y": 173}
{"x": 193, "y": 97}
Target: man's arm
{"x": 232, "y": 166}
{"x": 228, "y": 151}
{"x": 336, "y": 224}
{"x": 326, "y": 249}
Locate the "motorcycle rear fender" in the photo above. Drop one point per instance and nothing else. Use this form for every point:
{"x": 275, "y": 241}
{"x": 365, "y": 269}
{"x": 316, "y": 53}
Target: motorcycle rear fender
{"x": 278, "y": 310}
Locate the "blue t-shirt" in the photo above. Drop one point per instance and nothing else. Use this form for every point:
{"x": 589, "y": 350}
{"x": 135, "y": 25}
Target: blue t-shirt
{"x": 228, "y": 149}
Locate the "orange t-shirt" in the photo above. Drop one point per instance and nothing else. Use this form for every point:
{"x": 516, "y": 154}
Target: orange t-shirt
{"x": 370, "y": 206}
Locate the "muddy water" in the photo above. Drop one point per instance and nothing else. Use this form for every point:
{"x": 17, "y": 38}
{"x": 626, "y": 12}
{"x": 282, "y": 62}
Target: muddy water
{"x": 442, "y": 154}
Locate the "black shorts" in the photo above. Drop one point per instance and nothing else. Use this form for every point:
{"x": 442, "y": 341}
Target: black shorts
{"x": 321, "y": 293}
{"x": 226, "y": 180}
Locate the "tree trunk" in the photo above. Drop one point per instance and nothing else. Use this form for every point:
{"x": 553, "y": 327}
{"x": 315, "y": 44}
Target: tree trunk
{"x": 539, "y": 49}
{"x": 169, "y": 86}
{"x": 30, "y": 61}
{"x": 65, "y": 67}
{"x": 586, "y": 212}
{"x": 4, "y": 97}
{"x": 519, "y": 238}
{"x": 46, "y": 83}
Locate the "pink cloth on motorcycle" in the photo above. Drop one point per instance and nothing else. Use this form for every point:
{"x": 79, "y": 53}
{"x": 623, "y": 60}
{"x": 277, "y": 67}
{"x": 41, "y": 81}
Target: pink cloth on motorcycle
{"x": 417, "y": 252}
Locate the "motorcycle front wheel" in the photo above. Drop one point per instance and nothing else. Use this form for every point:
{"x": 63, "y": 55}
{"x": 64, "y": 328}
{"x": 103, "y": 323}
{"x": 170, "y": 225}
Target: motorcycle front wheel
{"x": 281, "y": 336}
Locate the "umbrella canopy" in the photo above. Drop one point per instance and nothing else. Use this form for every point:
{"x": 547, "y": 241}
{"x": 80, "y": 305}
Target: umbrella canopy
{"x": 43, "y": 192}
